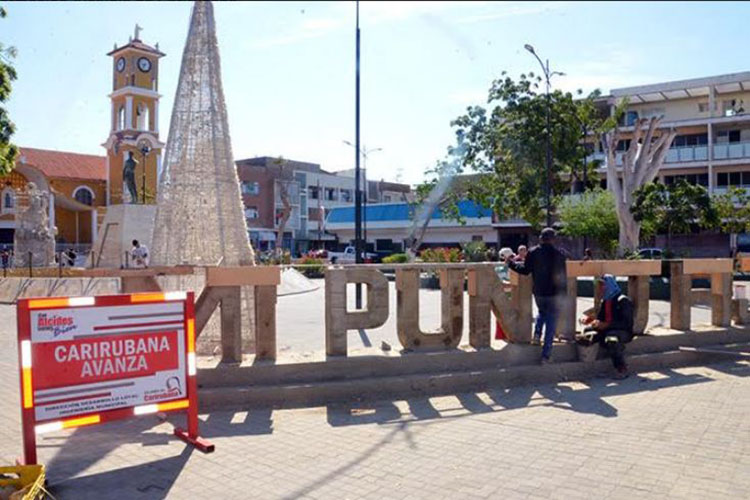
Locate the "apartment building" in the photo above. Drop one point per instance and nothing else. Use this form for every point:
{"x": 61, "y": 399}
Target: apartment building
{"x": 711, "y": 116}
{"x": 312, "y": 193}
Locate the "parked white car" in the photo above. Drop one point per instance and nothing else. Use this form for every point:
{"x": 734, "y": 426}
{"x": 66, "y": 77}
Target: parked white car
{"x": 348, "y": 256}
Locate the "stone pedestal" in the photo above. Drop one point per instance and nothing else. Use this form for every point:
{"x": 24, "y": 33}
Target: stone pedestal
{"x": 122, "y": 224}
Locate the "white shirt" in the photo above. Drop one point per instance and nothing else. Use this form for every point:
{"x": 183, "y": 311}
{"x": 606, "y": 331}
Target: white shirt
{"x": 139, "y": 256}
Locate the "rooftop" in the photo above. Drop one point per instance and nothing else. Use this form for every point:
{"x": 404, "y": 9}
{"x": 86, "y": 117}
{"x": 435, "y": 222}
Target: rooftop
{"x": 399, "y": 212}
{"x": 683, "y": 89}
{"x": 62, "y": 164}
{"x": 138, "y": 45}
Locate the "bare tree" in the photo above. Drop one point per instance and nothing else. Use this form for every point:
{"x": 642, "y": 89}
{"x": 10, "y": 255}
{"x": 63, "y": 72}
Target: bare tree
{"x": 640, "y": 165}
{"x": 286, "y": 211}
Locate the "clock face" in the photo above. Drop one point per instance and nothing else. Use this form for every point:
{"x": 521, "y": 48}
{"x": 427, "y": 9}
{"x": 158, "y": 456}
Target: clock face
{"x": 121, "y": 64}
{"x": 144, "y": 64}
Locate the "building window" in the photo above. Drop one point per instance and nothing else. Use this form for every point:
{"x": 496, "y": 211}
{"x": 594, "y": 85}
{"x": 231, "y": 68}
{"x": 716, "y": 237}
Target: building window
{"x": 690, "y": 140}
{"x": 9, "y": 200}
{"x": 251, "y": 212}
{"x": 331, "y": 194}
{"x": 251, "y": 188}
{"x": 630, "y": 118}
{"x": 386, "y": 198}
{"x": 477, "y": 237}
{"x": 702, "y": 107}
{"x": 346, "y": 195}
{"x": 313, "y": 192}
{"x": 142, "y": 116}
{"x": 121, "y": 118}
{"x": 84, "y": 195}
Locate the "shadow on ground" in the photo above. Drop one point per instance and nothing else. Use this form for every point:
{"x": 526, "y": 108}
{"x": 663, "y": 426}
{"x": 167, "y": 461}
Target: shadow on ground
{"x": 73, "y": 470}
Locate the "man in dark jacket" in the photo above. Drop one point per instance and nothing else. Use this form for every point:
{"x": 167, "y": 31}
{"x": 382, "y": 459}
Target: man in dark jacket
{"x": 614, "y": 323}
{"x": 546, "y": 264}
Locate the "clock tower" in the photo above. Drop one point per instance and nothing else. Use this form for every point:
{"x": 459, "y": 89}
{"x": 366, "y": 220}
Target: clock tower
{"x": 133, "y": 153}
{"x": 133, "y": 147}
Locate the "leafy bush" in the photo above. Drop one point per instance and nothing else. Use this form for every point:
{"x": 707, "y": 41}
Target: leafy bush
{"x": 396, "y": 258}
{"x": 313, "y": 267}
{"x": 441, "y": 255}
{"x": 592, "y": 214}
{"x": 475, "y": 251}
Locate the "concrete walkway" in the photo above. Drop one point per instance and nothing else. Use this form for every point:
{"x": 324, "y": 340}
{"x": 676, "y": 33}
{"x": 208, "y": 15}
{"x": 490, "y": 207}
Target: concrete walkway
{"x": 669, "y": 434}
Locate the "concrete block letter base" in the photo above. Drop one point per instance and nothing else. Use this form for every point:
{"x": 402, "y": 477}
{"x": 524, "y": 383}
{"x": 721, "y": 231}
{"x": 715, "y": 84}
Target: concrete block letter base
{"x": 338, "y": 319}
{"x": 452, "y": 310}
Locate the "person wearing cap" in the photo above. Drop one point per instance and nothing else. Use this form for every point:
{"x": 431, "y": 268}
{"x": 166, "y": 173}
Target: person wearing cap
{"x": 613, "y": 325}
{"x": 546, "y": 264}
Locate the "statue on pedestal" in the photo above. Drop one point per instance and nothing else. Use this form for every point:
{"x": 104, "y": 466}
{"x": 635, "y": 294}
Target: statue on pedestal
{"x": 33, "y": 237}
{"x": 128, "y": 180}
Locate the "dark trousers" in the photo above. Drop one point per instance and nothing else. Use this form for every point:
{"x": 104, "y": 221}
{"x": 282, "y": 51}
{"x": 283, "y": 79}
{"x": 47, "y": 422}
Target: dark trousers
{"x": 615, "y": 350}
{"x": 548, "y": 318}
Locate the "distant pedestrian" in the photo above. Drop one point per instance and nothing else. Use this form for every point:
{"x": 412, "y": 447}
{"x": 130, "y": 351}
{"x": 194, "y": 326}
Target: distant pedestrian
{"x": 588, "y": 254}
{"x": 505, "y": 254}
{"x": 546, "y": 264}
{"x": 139, "y": 255}
{"x": 5, "y": 256}
{"x": 522, "y": 253}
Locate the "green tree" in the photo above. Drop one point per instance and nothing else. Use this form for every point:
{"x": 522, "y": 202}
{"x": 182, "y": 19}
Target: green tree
{"x": 674, "y": 209}
{"x": 592, "y": 215}
{"x": 506, "y": 144}
{"x": 8, "y": 151}
{"x": 733, "y": 211}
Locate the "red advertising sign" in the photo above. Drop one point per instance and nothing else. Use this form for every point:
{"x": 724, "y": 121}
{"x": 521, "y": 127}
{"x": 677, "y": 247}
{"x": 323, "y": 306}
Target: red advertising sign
{"x": 87, "y": 360}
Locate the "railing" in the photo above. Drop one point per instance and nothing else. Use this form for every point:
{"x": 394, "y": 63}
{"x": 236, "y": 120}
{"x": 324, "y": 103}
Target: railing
{"x": 732, "y": 151}
{"x": 687, "y": 153}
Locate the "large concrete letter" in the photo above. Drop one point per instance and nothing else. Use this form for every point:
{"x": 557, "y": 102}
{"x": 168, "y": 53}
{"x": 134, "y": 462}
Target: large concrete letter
{"x": 680, "y": 297}
{"x": 452, "y": 310}
{"x": 639, "y": 292}
{"x": 338, "y": 320}
{"x": 721, "y": 299}
{"x": 487, "y": 292}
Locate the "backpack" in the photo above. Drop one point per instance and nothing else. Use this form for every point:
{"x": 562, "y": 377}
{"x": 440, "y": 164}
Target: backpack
{"x": 626, "y": 309}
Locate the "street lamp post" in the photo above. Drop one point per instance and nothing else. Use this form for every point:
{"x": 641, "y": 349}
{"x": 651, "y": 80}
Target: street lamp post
{"x": 547, "y": 76}
{"x": 365, "y": 153}
{"x": 145, "y": 150}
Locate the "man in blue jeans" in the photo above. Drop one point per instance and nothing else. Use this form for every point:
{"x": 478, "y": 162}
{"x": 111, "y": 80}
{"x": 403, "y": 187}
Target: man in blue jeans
{"x": 546, "y": 264}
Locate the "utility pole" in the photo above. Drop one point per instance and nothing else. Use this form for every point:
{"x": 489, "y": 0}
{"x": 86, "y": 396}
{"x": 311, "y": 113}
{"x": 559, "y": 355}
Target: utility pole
{"x": 320, "y": 220}
{"x": 357, "y": 185}
{"x": 365, "y": 153}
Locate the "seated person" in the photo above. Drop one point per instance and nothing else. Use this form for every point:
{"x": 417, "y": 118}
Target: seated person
{"x": 613, "y": 325}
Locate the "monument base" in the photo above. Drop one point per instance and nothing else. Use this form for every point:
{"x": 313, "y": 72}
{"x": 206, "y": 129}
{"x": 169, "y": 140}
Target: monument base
{"x": 122, "y": 224}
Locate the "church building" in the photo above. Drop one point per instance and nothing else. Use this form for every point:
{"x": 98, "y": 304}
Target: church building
{"x": 82, "y": 187}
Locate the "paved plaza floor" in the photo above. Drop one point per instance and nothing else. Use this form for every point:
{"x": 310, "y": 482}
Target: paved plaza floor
{"x": 679, "y": 433}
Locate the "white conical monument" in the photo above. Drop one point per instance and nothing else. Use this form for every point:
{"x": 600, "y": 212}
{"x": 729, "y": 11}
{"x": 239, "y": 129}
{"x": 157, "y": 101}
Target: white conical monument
{"x": 199, "y": 217}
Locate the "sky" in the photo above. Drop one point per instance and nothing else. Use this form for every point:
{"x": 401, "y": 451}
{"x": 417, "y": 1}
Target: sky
{"x": 288, "y": 67}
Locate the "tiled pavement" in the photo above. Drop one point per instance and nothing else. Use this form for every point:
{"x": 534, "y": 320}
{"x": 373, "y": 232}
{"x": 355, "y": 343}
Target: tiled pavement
{"x": 672, "y": 434}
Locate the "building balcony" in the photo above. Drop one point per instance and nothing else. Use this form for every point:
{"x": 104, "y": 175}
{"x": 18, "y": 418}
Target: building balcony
{"x": 731, "y": 151}
{"x": 687, "y": 154}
